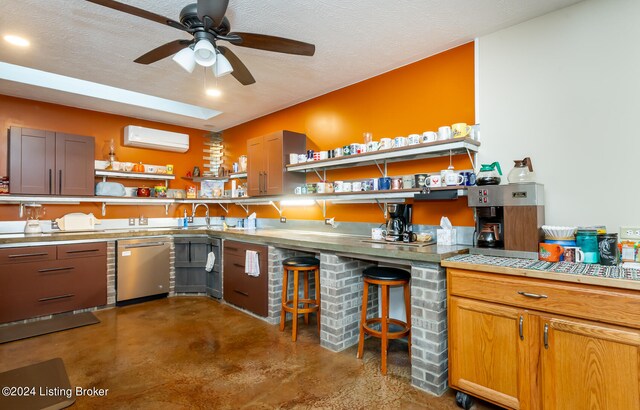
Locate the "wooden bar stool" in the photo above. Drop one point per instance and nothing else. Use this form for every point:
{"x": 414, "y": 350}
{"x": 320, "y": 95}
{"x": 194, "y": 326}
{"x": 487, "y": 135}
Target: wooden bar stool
{"x": 385, "y": 277}
{"x": 304, "y": 265}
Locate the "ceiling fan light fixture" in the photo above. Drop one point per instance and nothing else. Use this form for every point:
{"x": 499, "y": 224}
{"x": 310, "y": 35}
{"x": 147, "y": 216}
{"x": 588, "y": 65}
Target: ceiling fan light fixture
{"x": 222, "y": 66}
{"x": 186, "y": 59}
{"x": 205, "y": 54}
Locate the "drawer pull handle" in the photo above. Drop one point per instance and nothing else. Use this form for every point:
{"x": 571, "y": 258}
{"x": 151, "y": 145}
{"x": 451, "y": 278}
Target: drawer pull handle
{"x": 521, "y": 327}
{"x": 230, "y": 248}
{"x": 26, "y": 255}
{"x": 532, "y": 295}
{"x": 237, "y": 265}
{"x": 546, "y": 336}
{"x": 55, "y": 269}
{"x": 83, "y": 250}
{"x": 70, "y": 295}
{"x": 240, "y": 292}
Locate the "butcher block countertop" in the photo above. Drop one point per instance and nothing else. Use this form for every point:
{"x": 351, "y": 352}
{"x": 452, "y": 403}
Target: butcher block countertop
{"x": 312, "y": 241}
{"x": 600, "y": 275}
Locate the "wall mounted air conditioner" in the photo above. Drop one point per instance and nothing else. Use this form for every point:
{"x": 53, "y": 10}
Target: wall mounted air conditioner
{"x": 135, "y": 136}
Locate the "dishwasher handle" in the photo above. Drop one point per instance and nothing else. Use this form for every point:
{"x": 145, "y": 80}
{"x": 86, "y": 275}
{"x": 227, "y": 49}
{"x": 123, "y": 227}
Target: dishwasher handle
{"x": 144, "y": 245}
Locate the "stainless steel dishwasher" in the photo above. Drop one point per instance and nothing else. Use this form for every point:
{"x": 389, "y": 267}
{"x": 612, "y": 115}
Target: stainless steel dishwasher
{"x": 143, "y": 267}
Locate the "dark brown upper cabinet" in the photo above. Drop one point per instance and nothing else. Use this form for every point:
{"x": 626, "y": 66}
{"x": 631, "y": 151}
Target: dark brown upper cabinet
{"x": 50, "y": 163}
{"x": 266, "y": 163}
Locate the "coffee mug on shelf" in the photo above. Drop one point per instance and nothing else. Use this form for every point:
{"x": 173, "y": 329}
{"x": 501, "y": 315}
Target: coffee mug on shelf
{"x": 346, "y": 150}
{"x": 469, "y": 178}
{"x": 373, "y": 146}
{"x": 414, "y": 139}
{"x": 444, "y": 133}
{"x": 573, "y": 254}
{"x": 321, "y": 187}
{"x": 354, "y": 147}
{"x": 338, "y": 152}
{"x": 298, "y": 190}
{"x": 293, "y": 159}
{"x": 347, "y": 187}
{"x": 550, "y": 252}
{"x": 433, "y": 181}
{"x": 396, "y": 183}
{"x": 316, "y": 156}
{"x": 386, "y": 143}
{"x": 356, "y": 186}
{"x": 460, "y": 130}
{"x": 384, "y": 183}
{"x": 302, "y": 158}
{"x": 420, "y": 180}
{"x": 429, "y": 136}
{"x": 324, "y": 154}
{"x": 337, "y": 186}
{"x": 400, "y": 142}
{"x": 310, "y": 154}
{"x": 329, "y": 188}
{"x": 452, "y": 179}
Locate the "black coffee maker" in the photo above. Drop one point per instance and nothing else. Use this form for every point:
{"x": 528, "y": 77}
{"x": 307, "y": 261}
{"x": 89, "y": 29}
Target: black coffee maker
{"x": 398, "y": 223}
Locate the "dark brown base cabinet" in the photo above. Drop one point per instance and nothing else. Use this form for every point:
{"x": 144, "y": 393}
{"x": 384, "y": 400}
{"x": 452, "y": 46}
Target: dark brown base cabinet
{"x": 38, "y": 281}
{"x": 240, "y": 289}
{"x": 48, "y": 163}
{"x": 190, "y": 262}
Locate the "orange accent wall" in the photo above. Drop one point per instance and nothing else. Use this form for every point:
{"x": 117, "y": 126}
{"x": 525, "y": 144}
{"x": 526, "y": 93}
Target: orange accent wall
{"x": 422, "y": 96}
{"x": 40, "y": 115}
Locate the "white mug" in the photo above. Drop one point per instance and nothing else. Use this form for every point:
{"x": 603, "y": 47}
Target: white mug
{"x": 293, "y": 158}
{"x": 324, "y": 154}
{"x": 321, "y": 187}
{"x": 433, "y": 181}
{"x": 400, "y": 142}
{"x": 444, "y": 133}
{"x": 302, "y": 157}
{"x": 414, "y": 139}
{"x": 429, "y": 136}
{"x": 373, "y": 146}
{"x": 346, "y": 187}
{"x": 452, "y": 178}
{"x": 338, "y": 186}
{"x": 573, "y": 254}
{"x": 386, "y": 143}
{"x": 356, "y": 186}
{"x": 377, "y": 234}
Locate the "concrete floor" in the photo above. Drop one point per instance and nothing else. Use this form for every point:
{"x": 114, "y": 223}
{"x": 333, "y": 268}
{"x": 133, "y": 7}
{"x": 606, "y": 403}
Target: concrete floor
{"x": 195, "y": 352}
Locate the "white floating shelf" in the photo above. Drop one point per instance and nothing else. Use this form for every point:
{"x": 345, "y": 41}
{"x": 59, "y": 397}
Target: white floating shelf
{"x": 133, "y": 175}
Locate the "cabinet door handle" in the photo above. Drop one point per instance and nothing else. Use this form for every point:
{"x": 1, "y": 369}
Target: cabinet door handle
{"x": 240, "y": 292}
{"x": 55, "y": 269}
{"x": 546, "y": 336}
{"x": 266, "y": 182}
{"x": 532, "y": 295}
{"x": 189, "y": 252}
{"x": 25, "y": 255}
{"x": 83, "y": 250}
{"x": 521, "y": 327}
{"x": 70, "y": 295}
{"x": 230, "y": 248}
{"x": 237, "y": 265}
{"x": 60, "y": 181}
{"x": 50, "y": 181}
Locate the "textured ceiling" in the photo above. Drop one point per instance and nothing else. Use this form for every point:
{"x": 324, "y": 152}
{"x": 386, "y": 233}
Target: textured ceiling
{"x": 354, "y": 40}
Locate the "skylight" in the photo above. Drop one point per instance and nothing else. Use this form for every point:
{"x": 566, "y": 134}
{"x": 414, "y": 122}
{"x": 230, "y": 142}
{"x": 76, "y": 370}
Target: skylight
{"x": 25, "y": 75}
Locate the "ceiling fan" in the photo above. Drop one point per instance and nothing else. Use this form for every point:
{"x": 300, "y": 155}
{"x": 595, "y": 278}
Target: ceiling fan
{"x": 206, "y": 22}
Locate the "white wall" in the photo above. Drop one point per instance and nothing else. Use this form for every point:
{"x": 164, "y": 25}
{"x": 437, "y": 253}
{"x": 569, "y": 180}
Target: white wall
{"x": 564, "y": 89}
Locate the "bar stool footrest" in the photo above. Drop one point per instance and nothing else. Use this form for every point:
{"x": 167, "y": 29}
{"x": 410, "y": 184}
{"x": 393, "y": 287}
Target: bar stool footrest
{"x": 390, "y": 335}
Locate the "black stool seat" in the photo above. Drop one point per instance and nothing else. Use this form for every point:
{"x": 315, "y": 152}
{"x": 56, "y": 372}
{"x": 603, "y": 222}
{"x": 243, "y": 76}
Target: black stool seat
{"x": 385, "y": 273}
{"x": 301, "y": 261}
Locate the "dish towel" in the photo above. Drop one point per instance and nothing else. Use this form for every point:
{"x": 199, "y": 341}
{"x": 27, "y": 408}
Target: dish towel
{"x": 251, "y": 263}
{"x": 211, "y": 260}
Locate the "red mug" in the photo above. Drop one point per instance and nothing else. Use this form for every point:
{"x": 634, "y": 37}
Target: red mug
{"x": 550, "y": 252}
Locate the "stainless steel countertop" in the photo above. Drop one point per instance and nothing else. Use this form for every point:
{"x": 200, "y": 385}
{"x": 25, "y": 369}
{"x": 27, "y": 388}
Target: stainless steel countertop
{"x": 283, "y": 238}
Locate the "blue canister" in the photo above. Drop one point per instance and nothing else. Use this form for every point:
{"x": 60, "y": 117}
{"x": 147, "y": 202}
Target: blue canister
{"x": 384, "y": 183}
{"x": 587, "y": 240}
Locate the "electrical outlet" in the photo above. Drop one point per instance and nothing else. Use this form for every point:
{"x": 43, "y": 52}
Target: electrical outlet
{"x": 630, "y": 232}
{"x": 330, "y": 221}
{"x": 283, "y": 220}
{"x": 132, "y": 221}
{"x": 190, "y": 219}
{"x": 143, "y": 220}
{"x": 54, "y": 225}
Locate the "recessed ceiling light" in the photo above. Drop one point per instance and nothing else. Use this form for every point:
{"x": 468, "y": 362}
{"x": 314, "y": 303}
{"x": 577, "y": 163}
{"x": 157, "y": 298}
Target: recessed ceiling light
{"x": 214, "y": 92}
{"x": 16, "y": 40}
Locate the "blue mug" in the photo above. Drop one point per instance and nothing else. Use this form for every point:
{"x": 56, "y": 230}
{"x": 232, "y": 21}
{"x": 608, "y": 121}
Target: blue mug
{"x": 384, "y": 183}
{"x": 469, "y": 178}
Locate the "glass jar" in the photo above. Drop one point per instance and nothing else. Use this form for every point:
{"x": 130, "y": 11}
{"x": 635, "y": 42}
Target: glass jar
{"x": 608, "y": 249}
{"x": 587, "y": 240}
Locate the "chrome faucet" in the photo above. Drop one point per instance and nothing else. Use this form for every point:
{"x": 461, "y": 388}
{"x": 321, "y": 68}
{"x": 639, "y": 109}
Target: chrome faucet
{"x": 194, "y": 207}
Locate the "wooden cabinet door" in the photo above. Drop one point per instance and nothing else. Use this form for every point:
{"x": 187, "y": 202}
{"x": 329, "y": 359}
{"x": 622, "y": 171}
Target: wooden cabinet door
{"x": 588, "y": 365}
{"x": 274, "y": 166}
{"x": 255, "y": 166}
{"x": 32, "y": 161}
{"x": 74, "y": 164}
{"x": 488, "y": 353}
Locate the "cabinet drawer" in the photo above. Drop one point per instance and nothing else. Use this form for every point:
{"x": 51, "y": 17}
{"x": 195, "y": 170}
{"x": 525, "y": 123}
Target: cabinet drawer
{"x": 617, "y": 306}
{"x": 42, "y": 288}
{"x": 27, "y": 254}
{"x": 239, "y": 248}
{"x": 82, "y": 250}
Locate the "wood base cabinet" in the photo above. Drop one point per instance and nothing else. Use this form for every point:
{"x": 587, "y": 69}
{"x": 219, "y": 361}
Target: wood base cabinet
{"x": 248, "y": 292}
{"x": 534, "y": 344}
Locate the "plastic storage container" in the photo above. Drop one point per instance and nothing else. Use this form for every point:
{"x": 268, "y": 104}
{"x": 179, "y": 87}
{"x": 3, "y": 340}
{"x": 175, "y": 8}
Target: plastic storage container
{"x": 587, "y": 240}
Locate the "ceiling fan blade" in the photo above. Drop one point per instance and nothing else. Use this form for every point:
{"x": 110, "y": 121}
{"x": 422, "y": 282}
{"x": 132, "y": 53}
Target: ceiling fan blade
{"x": 125, "y": 8}
{"x": 211, "y": 12}
{"x": 272, "y": 43}
{"x": 163, "y": 51}
{"x": 240, "y": 71}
